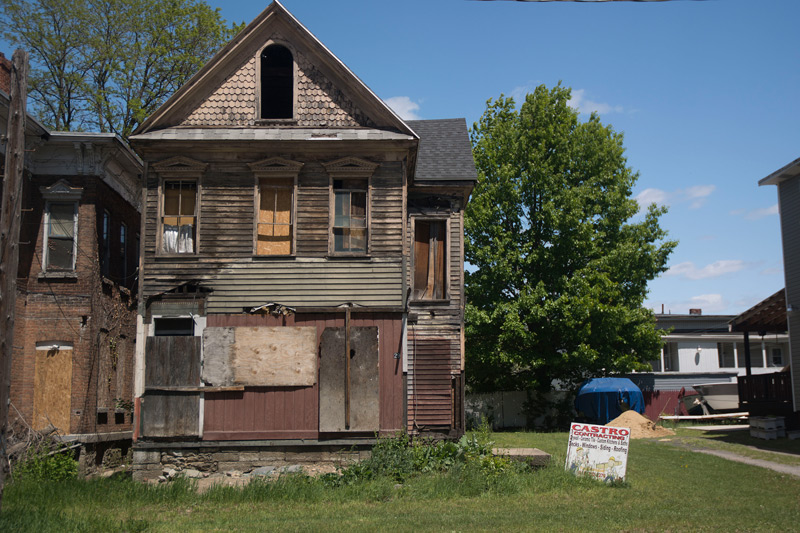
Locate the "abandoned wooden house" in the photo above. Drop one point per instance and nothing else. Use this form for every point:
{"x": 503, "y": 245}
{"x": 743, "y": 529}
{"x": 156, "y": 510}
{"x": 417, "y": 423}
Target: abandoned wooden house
{"x": 75, "y": 324}
{"x": 302, "y": 258}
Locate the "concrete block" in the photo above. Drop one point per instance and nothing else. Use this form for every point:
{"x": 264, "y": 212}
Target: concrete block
{"x": 141, "y": 457}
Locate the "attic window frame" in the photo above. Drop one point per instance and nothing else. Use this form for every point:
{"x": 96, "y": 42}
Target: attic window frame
{"x": 260, "y": 119}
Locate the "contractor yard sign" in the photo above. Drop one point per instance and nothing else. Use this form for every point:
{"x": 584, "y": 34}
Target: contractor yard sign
{"x": 598, "y": 451}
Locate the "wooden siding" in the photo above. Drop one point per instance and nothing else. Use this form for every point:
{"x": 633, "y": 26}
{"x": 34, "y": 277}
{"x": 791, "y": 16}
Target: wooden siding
{"x": 789, "y": 204}
{"x": 293, "y": 412}
{"x": 432, "y": 368}
{"x": 225, "y": 261}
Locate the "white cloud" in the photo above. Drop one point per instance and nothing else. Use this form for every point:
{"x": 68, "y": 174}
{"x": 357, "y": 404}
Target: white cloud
{"x": 695, "y": 196}
{"x": 716, "y": 269}
{"x": 404, "y": 106}
{"x": 579, "y": 101}
{"x": 771, "y": 271}
{"x": 519, "y": 92}
{"x": 755, "y": 214}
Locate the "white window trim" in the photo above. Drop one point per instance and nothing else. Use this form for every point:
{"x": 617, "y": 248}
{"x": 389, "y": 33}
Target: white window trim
{"x": 46, "y": 236}
{"x": 342, "y": 169}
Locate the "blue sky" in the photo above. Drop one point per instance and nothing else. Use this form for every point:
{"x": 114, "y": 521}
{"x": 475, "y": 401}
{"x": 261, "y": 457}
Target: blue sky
{"x": 706, "y": 94}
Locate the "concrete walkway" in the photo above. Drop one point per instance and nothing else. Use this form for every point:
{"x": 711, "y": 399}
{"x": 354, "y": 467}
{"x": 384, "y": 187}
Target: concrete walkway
{"x": 777, "y": 467}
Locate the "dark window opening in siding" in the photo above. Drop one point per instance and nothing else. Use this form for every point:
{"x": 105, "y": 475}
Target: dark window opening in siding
{"x": 277, "y": 82}
{"x": 430, "y": 248}
{"x": 173, "y": 327}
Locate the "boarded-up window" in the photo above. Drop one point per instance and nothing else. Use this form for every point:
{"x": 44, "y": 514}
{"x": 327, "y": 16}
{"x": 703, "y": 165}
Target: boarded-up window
{"x": 277, "y": 82}
{"x": 275, "y": 219}
{"x": 350, "y": 215}
{"x": 60, "y": 245}
{"x": 52, "y": 386}
{"x": 430, "y": 250}
{"x": 179, "y": 217}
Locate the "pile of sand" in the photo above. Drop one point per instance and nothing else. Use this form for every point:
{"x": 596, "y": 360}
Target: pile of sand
{"x": 641, "y": 427}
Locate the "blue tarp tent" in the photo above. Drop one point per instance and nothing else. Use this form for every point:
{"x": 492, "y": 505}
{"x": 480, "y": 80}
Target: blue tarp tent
{"x": 604, "y": 399}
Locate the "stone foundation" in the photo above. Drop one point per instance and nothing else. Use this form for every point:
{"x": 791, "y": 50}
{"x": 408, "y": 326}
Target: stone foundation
{"x": 150, "y": 462}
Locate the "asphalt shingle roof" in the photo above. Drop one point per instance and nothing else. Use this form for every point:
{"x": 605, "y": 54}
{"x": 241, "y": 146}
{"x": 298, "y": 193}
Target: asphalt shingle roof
{"x": 445, "y": 151}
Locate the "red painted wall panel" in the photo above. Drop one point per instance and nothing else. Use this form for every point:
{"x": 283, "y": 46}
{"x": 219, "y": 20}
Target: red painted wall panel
{"x": 293, "y": 412}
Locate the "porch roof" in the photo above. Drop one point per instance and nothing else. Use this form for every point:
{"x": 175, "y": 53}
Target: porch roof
{"x": 767, "y": 316}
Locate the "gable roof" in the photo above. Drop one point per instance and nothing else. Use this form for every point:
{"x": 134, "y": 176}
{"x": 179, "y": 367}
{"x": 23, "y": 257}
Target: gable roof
{"x": 275, "y": 19}
{"x": 445, "y": 151}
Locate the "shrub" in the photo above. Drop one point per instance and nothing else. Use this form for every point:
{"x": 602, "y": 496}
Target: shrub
{"x": 43, "y": 463}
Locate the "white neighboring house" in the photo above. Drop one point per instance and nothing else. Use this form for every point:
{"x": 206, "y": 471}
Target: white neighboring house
{"x": 703, "y": 345}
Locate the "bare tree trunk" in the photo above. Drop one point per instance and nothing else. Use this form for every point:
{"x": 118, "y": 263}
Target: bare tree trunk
{"x": 9, "y": 241}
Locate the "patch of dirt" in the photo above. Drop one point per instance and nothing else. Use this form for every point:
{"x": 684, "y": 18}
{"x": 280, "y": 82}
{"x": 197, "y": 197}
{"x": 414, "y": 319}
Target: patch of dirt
{"x": 641, "y": 427}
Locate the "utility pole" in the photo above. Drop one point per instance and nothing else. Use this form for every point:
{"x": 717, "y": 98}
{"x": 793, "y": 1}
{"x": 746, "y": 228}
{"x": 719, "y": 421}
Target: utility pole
{"x": 9, "y": 240}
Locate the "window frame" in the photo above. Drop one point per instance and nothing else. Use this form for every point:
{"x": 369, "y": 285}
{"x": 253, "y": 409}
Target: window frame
{"x": 350, "y": 168}
{"x": 447, "y": 250}
{"x": 105, "y": 243}
{"x": 275, "y": 168}
{"x": 46, "y": 267}
{"x": 179, "y": 169}
{"x": 123, "y": 252}
{"x": 259, "y": 86}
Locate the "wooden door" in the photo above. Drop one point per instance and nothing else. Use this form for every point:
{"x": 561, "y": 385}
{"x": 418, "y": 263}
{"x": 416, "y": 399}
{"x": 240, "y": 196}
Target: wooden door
{"x": 349, "y": 401}
{"x": 171, "y": 363}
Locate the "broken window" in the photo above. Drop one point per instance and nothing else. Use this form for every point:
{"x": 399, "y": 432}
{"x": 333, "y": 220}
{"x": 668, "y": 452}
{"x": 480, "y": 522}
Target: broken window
{"x": 350, "y": 215}
{"x": 275, "y": 218}
{"x": 277, "y": 83}
{"x": 179, "y": 217}
{"x": 61, "y": 220}
{"x": 430, "y": 251}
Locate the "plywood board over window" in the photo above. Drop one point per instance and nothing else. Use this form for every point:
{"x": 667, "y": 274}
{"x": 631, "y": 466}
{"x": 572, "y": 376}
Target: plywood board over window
{"x": 260, "y": 356}
{"x": 52, "y": 387}
{"x": 275, "y": 220}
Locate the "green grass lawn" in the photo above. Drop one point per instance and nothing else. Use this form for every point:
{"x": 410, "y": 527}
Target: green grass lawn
{"x": 668, "y": 488}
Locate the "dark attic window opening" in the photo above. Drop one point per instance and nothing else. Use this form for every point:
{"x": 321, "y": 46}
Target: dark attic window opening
{"x": 277, "y": 83}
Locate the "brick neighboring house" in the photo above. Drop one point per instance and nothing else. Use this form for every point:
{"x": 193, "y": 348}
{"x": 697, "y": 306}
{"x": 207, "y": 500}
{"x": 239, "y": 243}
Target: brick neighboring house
{"x": 75, "y": 324}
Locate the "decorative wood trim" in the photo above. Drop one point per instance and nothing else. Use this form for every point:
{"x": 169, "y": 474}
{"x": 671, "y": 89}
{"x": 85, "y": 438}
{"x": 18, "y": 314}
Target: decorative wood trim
{"x": 179, "y": 167}
{"x": 351, "y": 167}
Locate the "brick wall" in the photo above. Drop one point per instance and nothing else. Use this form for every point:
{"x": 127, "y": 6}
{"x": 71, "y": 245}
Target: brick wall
{"x": 5, "y": 74}
{"x": 97, "y": 316}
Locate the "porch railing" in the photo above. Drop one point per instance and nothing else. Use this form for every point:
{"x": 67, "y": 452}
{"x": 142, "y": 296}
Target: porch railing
{"x": 772, "y": 392}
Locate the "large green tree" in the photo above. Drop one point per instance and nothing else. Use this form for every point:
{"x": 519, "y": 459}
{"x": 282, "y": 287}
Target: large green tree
{"x": 559, "y": 260}
{"x": 105, "y": 65}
